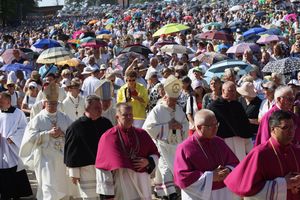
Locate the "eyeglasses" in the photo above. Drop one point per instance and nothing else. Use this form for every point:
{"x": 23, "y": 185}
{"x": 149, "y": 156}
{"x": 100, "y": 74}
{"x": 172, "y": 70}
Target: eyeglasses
{"x": 288, "y": 98}
{"x": 130, "y": 80}
{"x": 212, "y": 126}
{"x": 287, "y": 128}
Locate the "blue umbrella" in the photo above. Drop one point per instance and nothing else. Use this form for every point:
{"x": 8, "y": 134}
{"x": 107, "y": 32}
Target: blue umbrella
{"x": 103, "y": 31}
{"x": 16, "y": 66}
{"x": 272, "y": 31}
{"x": 46, "y": 43}
{"x": 260, "y": 13}
{"x": 218, "y": 68}
{"x": 254, "y": 31}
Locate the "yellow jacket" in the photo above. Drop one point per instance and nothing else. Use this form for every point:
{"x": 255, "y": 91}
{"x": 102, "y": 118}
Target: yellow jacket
{"x": 138, "y": 108}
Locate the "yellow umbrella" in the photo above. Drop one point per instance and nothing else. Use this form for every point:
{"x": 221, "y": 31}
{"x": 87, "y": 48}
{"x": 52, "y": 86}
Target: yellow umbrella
{"x": 104, "y": 36}
{"x": 94, "y": 21}
{"x": 109, "y": 26}
{"x": 170, "y": 28}
{"x": 73, "y": 62}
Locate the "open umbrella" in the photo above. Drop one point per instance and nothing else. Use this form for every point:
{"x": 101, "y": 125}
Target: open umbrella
{"x": 8, "y": 55}
{"x": 271, "y": 31}
{"x": 46, "y": 43}
{"x": 95, "y": 43}
{"x": 54, "y": 55}
{"x": 218, "y": 68}
{"x": 283, "y": 66}
{"x": 127, "y": 18}
{"x": 188, "y": 17}
{"x": 236, "y": 8}
{"x": 16, "y": 66}
{"x": 176, "y": 48}
{"x": 254, "y": 31}
{"x": 73, "y": 62}
{"x": 76, "y": 34}
{"x": 161, "y": 44}
{"x": 242, "y": 47}
{"x": 267, "y": 39}
{"x": 216, "y": 35}
{"x": 104, "y": 36}
{"x": 290, "y": 17}
{"x": 260, "y": 13}
{"x": 137, "y": 48}
{"x": 170, "y": 28}
{"x": 213, "y": 24}
{"x": 103, "y": 31}
{"x": 123, "y": 60}
{"x": 211, "y": 57}
{"x": 92, "y": 22}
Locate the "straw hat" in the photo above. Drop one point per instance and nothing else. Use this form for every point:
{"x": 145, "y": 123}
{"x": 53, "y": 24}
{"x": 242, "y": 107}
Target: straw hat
{"x": 247, "y": 89}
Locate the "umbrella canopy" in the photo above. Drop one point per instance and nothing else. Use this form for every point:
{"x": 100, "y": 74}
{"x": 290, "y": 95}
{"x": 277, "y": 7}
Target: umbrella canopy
{"x": 95, "y": 43}
{"x": 213, "y": 24}
{"x": 46, "y": 43}
{"x": 137, "y": 48}
{"x": 216, "y": 35}
{"x": 271, "y": 31}
{"x": 8, "y": 55}
{"x": 170, "y": 28}
{"x": 254, "y": 31}
{"x": 176, "y": 48}
{"x": 291, "y": 17}
{"x": 242, "y": 47}
{"x": 260, "y": 13}
{"x": 283, "y": 66}
{"x": 54, "y": 55}
{"x": 236, "y": 8}
{"x": 161, "y": 44}
{"x": 16, "y": 66}
{"x": 127, "y": 18}
{"x": 103, "y": 31}
{"x": 104, "y": 36}
{"x": 76, "y": 34}
{"x": 188, "y": 17}
{"x": 92, "y": 22}
{"x": 211, "y": 57}
{"x": 218, "y": 68}
{"x": 73, "y": 62}
{"x": 267, "y": 39}
{"x": 123, "y": 60}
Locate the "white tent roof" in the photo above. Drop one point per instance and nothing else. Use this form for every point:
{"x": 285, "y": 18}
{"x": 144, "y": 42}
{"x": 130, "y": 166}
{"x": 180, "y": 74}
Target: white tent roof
{"x": 46, "y": 3}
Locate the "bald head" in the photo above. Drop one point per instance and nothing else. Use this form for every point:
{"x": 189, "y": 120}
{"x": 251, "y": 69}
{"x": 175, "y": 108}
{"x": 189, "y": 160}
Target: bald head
{"x": 203, "y": 116}
{"x": 229, "y": 91}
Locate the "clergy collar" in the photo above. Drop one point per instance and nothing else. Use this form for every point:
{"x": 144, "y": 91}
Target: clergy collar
{"x": 124, "y": 130}
{"x": 201, "y": 138}
{"x": 11, "y": 109}
{"x": 85, "y": 118}
{"x": 279, "y": 146}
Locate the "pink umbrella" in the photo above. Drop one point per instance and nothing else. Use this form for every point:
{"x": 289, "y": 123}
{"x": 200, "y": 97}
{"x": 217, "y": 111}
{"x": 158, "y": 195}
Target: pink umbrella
{"x": 268, "y": 39}
{"x": 242, "y": 47}
{"x": 291, "y": 17}
{"x": 9, "y": 55}
{"x": 76, "y": 34}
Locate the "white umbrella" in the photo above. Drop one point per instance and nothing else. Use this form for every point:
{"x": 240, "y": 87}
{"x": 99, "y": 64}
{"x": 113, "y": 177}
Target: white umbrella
{"x": 176, "y": 48}
{"x": 236, "y": 8}
{"x": 54, "y": 55}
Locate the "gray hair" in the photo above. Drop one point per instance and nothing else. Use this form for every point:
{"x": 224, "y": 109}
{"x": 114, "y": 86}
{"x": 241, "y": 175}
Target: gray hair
{"x": 89, "y": 99}
{"x": 121, "y": 105}
{"x": 282, "y": 91}
{"x": 202, "y": 116}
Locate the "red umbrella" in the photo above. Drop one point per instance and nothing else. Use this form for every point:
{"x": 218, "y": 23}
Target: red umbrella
{"x": 76, "y": 34}
{"x": 188, "y": 17}
{"x": 94, "y": 44}
{"x": 127, "y": 18}
{"x": 216, "y": 35}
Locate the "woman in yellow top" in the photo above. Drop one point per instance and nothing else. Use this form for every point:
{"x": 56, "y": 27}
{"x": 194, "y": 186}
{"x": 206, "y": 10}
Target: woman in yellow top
{"x": 136, "y": 95}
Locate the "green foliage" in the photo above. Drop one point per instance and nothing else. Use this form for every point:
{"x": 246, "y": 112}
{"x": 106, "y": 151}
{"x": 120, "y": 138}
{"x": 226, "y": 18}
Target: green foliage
{"x": 13, "y": 9}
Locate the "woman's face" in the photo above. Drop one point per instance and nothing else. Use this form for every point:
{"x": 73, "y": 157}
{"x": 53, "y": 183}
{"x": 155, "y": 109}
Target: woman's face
{"x": 215, "y": 85}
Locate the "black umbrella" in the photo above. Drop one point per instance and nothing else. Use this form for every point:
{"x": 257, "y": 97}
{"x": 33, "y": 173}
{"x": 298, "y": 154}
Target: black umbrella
{"x": 283, "y": 66}
{"x": 137, "y": 48}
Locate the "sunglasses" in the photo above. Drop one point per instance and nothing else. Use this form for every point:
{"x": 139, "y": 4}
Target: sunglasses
{"x": 130, "y": 80}
{"x": 31, "y": 88}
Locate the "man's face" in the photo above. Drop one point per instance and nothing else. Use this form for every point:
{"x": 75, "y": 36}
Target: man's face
{"x": 51, "y": 106}
{"x": 125, "y": 117}
{"x": 171, "y": 102}
{"x": 284, "y": 133}
{"x": 286, "y": 101}
{"x": 209, "y": 128}
{"x": 4, "y": 103}
{"x": 95, "y": 109}
{"x": 229, "y": 92}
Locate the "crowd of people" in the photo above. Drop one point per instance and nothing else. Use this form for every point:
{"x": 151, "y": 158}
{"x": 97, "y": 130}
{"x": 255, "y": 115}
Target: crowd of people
{"x": 129, "y": 125}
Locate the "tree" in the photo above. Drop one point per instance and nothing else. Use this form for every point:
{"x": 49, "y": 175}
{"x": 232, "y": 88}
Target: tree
{"x": 14, "y": 10}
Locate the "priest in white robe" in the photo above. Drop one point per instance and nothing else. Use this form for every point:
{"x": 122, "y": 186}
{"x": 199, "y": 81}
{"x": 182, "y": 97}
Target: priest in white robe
{"x": 168, "y": 126}
{"x": 125, "y": 159}
{"x": 42, "y": 148}
{"x": 73, "y": 105}
{"x": 13, "y": 183}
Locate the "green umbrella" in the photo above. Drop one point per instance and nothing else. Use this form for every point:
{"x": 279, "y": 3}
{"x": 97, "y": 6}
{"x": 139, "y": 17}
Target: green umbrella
{"x": 213, "y": 24}
{"x": 170, "y": 28}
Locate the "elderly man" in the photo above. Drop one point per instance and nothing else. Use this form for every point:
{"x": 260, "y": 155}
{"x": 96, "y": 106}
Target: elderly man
{"x": 168, "y": 126}
{"x": 81, "y": 144}
{"x": 234, "y": 124}
{"x": 125, "y": 159}
{"x": 43, "y": 146}
{"x": 203, "y": 161}
{"x": 13, "y": 183}
{"x": 284, "y": 100}
{"x": 271, "y": 170}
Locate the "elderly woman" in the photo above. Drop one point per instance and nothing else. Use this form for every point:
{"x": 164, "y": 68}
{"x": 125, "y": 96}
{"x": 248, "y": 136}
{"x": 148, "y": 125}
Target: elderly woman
{"x": 215, "y": 85}
{"x": 30, "y": 97}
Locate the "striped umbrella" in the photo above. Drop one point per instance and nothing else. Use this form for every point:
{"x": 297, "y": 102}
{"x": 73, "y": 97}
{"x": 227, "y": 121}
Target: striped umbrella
{"x": 54, "y": 55}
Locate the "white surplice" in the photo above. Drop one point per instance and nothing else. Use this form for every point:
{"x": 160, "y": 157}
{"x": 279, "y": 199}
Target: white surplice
{"x": 12, "y": 126}
{"x": 44, "y": 154}
{"x": 157, "y": 126}
{"x": 125, "y": 184}
{"x": 89, "y": 85}
{"x": 69, "y": 106}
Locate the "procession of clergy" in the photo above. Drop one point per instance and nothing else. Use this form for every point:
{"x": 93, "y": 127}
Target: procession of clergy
{"x": 95, "y": 146}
